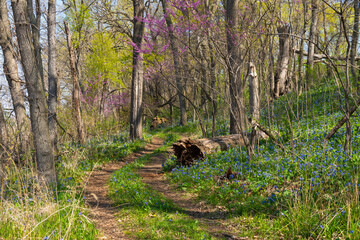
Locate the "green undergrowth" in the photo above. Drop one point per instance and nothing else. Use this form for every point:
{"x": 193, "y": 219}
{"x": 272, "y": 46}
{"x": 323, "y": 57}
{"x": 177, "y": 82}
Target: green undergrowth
{"x": 30, "y": 211}
{"x": 145, "y": 213}
{"x": 309, "y": 191}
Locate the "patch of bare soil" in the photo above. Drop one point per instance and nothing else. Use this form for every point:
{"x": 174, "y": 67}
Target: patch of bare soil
{"x": 102, "y": 209}
{"x": 210, "y": 217}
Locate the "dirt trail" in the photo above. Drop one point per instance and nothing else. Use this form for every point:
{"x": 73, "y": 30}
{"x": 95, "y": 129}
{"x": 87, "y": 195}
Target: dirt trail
{"x": 103, "y": 210}
{"x": 209, "y": 216}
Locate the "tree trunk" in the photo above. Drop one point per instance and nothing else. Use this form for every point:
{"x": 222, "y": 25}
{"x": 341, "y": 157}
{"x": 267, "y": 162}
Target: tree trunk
{"x": 238, "y": 121}
{"x": 254, "y": 93}
{"x": 76, "y": 87}
{"x": 3, "y": 133}
{"x": 301, "y": 55}
{"x": 354, "y": 42}
{"x": 35, "y": 30}
{"x": 213, "y": 86}
{"x": 37, "y": 100}
{"x": 137, "y": 73}
{"x": 3, "y": 144}
{"x": 12, "y": 75}
{"x": 52, "y": 74}
{"x": 312, "y": 38}
{"x": 175, "y": 53}
{"x": 281, "y": 76}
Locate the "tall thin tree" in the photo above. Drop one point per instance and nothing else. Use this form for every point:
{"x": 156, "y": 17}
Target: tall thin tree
{"x": 138, "y": 72}
{"x": 52, "y": 74}
{"x": 354, "y": 42}
{"x": 12, "y": 75}
{"x": 35, "y": 88}
{"x": 312, "y": 38}
{"x": 76, "y": 87}
{"x": 175, "y": 54}
{"x": 238, "y": 121}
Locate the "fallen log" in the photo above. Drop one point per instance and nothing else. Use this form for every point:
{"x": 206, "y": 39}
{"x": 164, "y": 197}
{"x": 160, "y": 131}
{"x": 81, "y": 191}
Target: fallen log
{"x": 189, "y": 150}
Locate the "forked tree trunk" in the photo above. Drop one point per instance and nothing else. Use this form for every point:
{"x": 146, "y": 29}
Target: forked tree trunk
{"x": 281, "y": 76}
{"x": 12, "y": 75}
{"x": 175, "y": 53}
{"x": 76, "y": 87}
{"x": 52, "y": 74}
{"x": 137, "y": 73}
{"x": 37, "y": 100}
{"x": 34, "y": 18}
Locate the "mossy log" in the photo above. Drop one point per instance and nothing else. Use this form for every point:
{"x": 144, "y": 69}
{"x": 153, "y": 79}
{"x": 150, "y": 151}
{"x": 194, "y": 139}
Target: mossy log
{"x": 189, "y": 150}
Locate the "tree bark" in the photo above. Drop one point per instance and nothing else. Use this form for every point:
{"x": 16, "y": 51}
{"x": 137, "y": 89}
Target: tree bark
{"x": 238, "y": 121}
{"x": 37, "y": 100}
{"x": 354, "y": 42}
{"x": 301, "y": 55}
{"x": 312, "y": 38}
{"x": 254, "y": 93}
{"x": 3, "y": 144}
{"x": 12, "y": 75}
{"x": 76, "y": 87}
{"x": 35, "y": 30}
{"x": 3, "y": 133}
{"x": 137, "y": 73}
{"x": 281, "y": 76}
{"x": 175, "y": 53}
{"x": 52, "y": 74}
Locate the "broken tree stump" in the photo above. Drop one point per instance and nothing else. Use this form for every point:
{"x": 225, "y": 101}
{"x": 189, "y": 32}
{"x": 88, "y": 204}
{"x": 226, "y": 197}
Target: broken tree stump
{"x": 189, "y": 150}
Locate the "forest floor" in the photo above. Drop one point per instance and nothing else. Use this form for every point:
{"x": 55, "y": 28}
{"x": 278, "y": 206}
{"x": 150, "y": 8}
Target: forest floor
{"x": 104, "y": 212}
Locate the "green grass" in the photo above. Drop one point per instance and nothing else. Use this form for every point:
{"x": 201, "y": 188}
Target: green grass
{"x": 312, "y": 191}
{"x": 146, "y": 214}
{"x": 29, "y": 211}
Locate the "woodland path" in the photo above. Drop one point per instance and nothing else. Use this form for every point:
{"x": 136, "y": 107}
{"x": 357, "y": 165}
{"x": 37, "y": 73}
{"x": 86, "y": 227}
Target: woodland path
{"x": 104, "y": 212}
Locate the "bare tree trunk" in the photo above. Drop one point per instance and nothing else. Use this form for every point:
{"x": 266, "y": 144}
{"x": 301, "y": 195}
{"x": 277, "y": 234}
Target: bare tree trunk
{"x": 3, "y": 144}
{"x": 213, "y": 87}
{"x": 175, "y": 53}
{"x": 35, "y": 30}
{"x": 312, "y": 39}
{"x": 238, "y": 121}
{"x": 12, "y": 75}
{"x": 52, "y": 74}
{"x": 272, "y": 68}
{"x": 138, "y": 72}
{"x": 37, "y": 100}
{"x": 3, "y": 132}
{"x": 281, "y": 77}
{"x": 354, "y": 42}
{"x": 76, "y": 87}
{"x": 254, "y": 93}
{"x": 301, "y": 55}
